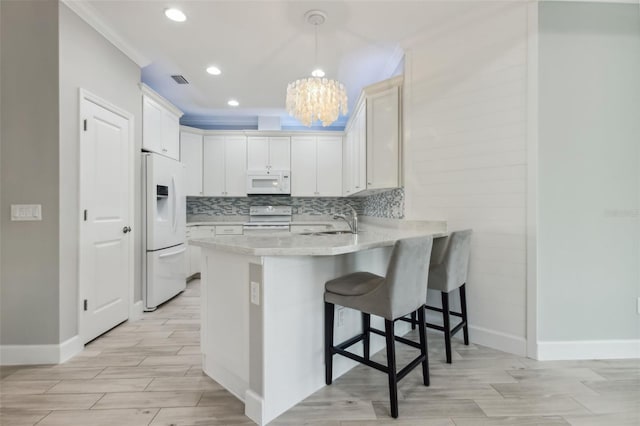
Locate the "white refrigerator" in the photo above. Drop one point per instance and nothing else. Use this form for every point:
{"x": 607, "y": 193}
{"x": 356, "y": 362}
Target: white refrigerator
{"x": 165, "y": 229}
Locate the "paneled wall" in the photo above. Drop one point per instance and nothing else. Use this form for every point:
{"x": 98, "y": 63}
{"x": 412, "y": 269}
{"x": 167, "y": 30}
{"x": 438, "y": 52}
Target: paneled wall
{"x": 465, "y": 154}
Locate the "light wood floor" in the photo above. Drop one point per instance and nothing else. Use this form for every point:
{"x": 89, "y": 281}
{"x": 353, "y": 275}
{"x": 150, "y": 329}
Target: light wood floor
{"x": 148, "y": 373}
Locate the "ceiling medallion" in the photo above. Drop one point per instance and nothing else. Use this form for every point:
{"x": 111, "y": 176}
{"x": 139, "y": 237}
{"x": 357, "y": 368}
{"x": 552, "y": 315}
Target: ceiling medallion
{"x": 316, "y": 98}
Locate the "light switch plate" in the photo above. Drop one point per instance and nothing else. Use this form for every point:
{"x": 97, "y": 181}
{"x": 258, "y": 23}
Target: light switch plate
{"x": 26, "y": 212}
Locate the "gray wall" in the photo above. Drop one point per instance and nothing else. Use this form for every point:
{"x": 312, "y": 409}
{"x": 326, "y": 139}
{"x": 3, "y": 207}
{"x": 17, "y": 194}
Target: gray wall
{"x": 89, "y": 61}
{"x": 29, "y": 171}
{"x": 589, "y": 141}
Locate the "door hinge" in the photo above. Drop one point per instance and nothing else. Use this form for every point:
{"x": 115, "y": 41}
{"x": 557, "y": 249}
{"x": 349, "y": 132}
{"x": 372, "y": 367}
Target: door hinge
{"x": 85, "y": 304}
{"x": 85, "y": 215}
{"x": 85, "y": 125}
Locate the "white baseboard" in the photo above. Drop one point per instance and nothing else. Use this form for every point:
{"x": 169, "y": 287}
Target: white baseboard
{"x": 588, "y": 349}
{"x": 253, "y": 407}
{"x": 135, "y": 312}
{"x": 40, "y": 354}
{"x": 497, "y": 340}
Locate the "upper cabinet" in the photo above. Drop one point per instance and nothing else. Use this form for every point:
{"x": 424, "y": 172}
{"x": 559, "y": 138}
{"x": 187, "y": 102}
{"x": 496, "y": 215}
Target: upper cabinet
{"x": 225, "y": 166}
{"x": 373, "y": 152}
{"x": 191, "y": 157}
{"x": 354, "y": 161}
{"x": 160, "y": 124}
{"x": 316, "y": 166}
{"x": 383, "y": 139}
{"x": 268, "y": 153}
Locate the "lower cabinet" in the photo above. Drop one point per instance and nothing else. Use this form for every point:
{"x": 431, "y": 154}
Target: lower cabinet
{"x": 204, "y": 231}
{"x": 193, "y": 252}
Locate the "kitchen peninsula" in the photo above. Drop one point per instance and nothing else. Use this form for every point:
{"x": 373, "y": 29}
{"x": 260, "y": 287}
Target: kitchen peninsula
{"x": 262, "y": 308}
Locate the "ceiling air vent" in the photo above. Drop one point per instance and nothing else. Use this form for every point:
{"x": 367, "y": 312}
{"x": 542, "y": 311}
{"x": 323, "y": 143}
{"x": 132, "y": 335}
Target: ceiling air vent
{"x": 179, "y": 79}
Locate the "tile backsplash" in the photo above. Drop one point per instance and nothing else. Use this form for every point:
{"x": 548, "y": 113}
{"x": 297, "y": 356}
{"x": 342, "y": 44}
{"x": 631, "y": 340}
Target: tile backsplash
{"x": 388, "y": 204}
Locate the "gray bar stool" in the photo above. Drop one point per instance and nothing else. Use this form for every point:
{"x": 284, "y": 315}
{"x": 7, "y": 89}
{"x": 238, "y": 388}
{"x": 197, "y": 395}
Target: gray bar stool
{"x": 447, "y": 272}
{"x": 400, "y": 293}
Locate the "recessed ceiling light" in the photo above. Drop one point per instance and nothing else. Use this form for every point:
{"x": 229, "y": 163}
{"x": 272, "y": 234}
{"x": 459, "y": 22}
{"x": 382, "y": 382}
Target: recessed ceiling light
{"x": 175, "y": 15}
{"x": 214, "y": 70}
{"x": 233, "y": 103}
{"x": 317, "y": 73}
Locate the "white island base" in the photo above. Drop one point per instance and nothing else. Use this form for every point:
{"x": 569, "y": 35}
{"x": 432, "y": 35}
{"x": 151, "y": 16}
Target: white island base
{"x": 263, "y": 324}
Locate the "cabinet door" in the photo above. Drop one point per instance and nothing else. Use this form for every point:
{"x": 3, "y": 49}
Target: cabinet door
{"x": 236, "y": 166}
{"x": 191, "y": 157}
{"x": 383, "y": 139}
{"x": 329, "y": 166}
{"x": 213, "y": 164}
{"x": 170, "y": 135}
{"x": 280, "y": 153}
{"x": 347, "y": 163}
{"x": 152, "y": 114}
{"x": 359, "y": 160}
{"x": 303, "y": 166}
{"x": 257, "y": 153}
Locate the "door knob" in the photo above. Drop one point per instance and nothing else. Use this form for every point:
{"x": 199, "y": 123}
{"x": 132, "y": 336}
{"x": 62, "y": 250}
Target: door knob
{"x": 126, "y": 229}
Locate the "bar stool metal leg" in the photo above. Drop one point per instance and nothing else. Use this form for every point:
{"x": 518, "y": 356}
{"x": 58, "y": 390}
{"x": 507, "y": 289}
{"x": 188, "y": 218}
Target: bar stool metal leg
{"x": 391, "y": 365}
{"x": 328, "y": 341}
{"x": 366, "y": 326}
{"x": 463, "y": 305}
{"x": 413, "y": 320}
{"x": 446, "y": 325}
{"x": 422, "y": 326}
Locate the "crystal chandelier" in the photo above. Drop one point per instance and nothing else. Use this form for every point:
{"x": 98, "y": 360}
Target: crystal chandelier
{"x": 316, "y": 98}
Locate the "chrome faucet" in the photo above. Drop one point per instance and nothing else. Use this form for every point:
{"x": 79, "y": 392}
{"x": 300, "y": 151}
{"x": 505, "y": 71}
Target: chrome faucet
{"x": 353, "y": 223}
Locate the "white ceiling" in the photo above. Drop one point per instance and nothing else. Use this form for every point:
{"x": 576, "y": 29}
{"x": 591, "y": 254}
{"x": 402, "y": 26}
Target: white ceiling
{"x": 261, "y": 46}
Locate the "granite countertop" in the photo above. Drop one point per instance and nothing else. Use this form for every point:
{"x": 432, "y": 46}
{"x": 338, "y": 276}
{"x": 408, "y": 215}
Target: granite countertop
{"x": 285, "y": 244}
{"x": 241, "y": 220}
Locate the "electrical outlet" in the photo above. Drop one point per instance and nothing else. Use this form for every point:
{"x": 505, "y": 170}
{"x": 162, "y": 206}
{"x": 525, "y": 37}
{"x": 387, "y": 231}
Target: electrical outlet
{"x": 340, "y": 321}
{"x": 638, "y": 305}
{"x": 255, "y": 293}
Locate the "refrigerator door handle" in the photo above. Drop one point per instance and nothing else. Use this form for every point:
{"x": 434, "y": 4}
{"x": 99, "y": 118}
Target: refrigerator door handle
{"x": 173, "y": 253}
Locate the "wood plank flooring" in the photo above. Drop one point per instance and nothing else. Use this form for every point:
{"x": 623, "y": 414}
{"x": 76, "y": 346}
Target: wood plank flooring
{"x": 148, "y": 373}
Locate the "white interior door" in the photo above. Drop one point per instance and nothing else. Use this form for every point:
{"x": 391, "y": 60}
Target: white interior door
{"x": 106, "y": 256}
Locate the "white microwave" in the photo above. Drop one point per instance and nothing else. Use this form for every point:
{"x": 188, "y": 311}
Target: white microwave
{"x": 269, "y": 182}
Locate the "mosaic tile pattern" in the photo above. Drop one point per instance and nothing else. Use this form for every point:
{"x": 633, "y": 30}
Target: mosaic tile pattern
{"x": 388, "y": 205}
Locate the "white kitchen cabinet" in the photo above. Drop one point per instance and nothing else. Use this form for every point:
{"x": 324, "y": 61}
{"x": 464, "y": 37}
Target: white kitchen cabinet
{"x": 347, "y": 160}
{"x": 229, "y": 229}
{"x": 193, "y": 252}
{"x": 383, "y": 139}
{"x": 355, "y": 153}
{"x": 316, "y": 166}
{"x": 225, "y": 166}
{"x": 191, "y": 157}
{"x": 268, "y": 153}
{"x": 160, "y": 124}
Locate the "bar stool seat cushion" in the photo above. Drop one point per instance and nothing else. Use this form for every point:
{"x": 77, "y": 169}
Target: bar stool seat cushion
{"x": 354, "y": 284}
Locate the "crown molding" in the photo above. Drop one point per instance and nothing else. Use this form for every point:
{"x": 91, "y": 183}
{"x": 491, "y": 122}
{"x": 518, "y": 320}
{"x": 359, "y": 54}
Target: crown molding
{"x": 89, "y": 14}
{"x": 392, "y": 62}
{"x": 148, "y": 91}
